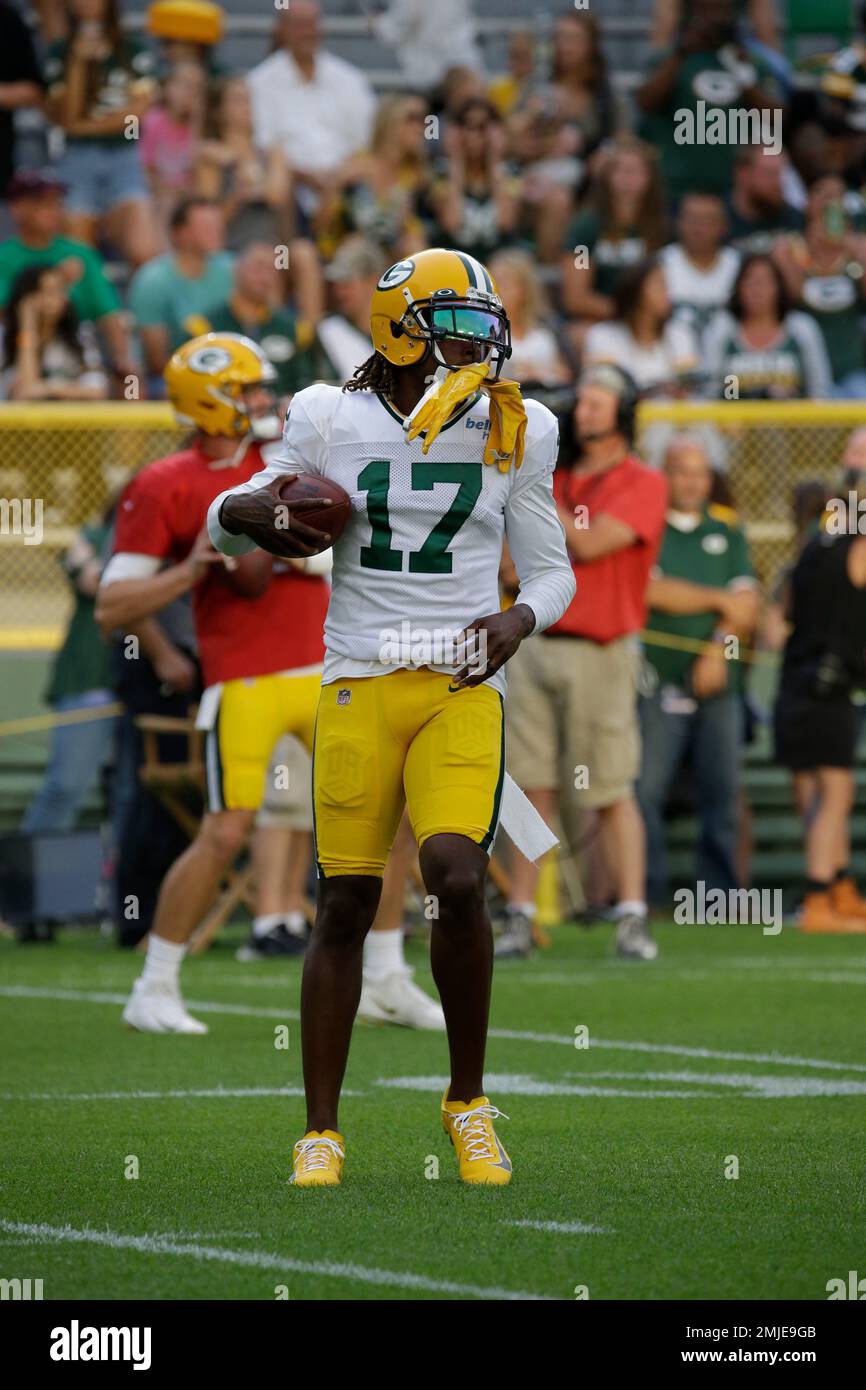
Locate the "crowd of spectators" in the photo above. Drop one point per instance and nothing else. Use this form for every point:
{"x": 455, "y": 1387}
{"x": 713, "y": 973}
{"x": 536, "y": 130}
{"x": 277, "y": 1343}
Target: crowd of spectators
{"x": 180, "y": 196}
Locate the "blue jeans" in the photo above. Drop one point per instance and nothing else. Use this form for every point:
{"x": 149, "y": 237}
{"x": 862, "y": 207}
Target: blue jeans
{"x": 78, "y": 753}
{"x": 711, "y": 737}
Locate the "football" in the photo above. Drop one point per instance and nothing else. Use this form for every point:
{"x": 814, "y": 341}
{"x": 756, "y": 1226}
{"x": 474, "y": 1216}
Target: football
{"x": 248, "y": 575}
{"x": 332, "y": 517}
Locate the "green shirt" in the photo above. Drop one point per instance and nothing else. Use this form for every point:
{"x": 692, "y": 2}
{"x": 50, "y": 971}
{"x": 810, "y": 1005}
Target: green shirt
{"x": 114, "y": 89}
{"x": 92, "y": 295}
{"x": 277, "y": 337}
{"x": 691, "y": 162}
{"x": 835, "y": 302}
{"x": 82, "y": 663}
{"x": 610, "y": 256}
{"x": 161, "y": 297}
{"x": 714, "y": 553}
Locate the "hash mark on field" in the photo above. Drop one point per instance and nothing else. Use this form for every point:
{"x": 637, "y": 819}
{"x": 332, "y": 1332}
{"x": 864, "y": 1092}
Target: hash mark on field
{"x": 261, "y": 1259}
{"x": 563, "y": 1228}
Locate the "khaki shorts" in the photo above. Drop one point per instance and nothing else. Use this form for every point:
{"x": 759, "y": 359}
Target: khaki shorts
{"x": 571, "y": 718}
{"x": 288, "y": 802}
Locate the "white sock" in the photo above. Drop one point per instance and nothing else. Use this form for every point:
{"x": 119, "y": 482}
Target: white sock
{"x": 266, "y": 923}
{"x": 383, "y": 953}
{"x": 296, "y": 923}
{"x": 162, "y": 962}
{"x": 630, "y": 906}
{"x": 528, "y": 909}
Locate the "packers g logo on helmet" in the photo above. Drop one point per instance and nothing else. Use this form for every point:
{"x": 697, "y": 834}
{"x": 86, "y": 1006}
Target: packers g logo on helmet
{"x": 434, "y": 295}
{"x": 206, "y": 378}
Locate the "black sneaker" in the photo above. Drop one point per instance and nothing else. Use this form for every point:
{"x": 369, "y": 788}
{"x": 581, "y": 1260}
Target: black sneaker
{"x": 634, "y": 939}
{"x": 515, "y": 942}
{"x": 279, "y": 942}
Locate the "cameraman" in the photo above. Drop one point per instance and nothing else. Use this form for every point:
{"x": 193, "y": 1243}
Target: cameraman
{"x": 816, "y": 722}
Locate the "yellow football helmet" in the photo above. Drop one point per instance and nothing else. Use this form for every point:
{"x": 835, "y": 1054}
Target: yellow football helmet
{"x": 206, "y": 378}
{"x": 433, "y": 295}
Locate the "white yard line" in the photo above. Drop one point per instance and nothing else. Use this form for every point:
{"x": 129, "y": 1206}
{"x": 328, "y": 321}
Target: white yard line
{"x": 506, "y": 1084}
{"x": 42, "y": 1234}
{"x": 504, "y": 1034}
{"x": 562, "y": 1228}
{"x": 215, "y": 1093}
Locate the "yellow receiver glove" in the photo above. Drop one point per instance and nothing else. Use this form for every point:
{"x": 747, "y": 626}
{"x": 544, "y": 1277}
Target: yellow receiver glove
{"x": 442, "y": 400}
{"x": 507, "y": 436}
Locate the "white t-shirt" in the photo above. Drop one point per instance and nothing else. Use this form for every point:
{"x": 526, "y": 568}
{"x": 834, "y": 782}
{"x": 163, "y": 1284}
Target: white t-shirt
{"x": 695, "y": 293}
{"x": 535, "y": 357}
{"x": 675, "y": 353}
{"x": 430, "y": 39}
{"x": 419, "y": 558}
{"x": 317, "y": 124}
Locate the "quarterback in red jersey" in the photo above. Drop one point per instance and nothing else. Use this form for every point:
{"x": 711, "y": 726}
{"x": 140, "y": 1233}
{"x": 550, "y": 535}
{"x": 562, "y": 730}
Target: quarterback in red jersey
{"x": 262, "y": 674}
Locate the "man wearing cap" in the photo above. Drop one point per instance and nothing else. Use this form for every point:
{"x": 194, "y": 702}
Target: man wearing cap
{"x": 572, "y": 724}
{"x": 344, "y": 336}
{"x": 36, "y": 204}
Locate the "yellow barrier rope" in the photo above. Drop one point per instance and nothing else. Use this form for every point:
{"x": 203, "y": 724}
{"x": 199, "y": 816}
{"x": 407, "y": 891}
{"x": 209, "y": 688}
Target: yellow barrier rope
{"x": 53, "y": 721}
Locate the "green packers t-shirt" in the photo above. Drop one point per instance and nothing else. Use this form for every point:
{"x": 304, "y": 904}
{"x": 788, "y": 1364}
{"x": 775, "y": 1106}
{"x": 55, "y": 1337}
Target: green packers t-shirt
{"x": 717, "y": 80}
{"x": 119, "y": 80}
{"x": 713, "y": 553}
{"x": 277, "y": 337}
{"x": 92, "y": 294}
{"x": 609, "y": 256}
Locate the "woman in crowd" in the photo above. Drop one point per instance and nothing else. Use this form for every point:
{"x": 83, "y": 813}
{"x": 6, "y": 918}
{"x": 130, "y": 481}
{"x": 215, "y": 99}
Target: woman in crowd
{"x": 824, "y": 273}
{"x": 474, "y": 200}
{"x": 621, "y": 223}
{"x": 253, "y": 186}
{"x": 170, "y": 132}
{"x": 556, "y": 131}
{"x": 536, "y": 354}
{"x": 376, "y": 193}
{"x": 100, "y": 83}
{"x": 48, "y": 355}
{"x": 760, "y": 347}
{"x": 660, "y": 353}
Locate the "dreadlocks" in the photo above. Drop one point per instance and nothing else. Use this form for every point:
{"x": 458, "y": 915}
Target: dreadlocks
{"x": 376, "y": 374}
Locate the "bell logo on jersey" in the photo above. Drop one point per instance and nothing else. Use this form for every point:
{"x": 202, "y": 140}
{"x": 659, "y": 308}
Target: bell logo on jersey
{"x": 483, "y": 425}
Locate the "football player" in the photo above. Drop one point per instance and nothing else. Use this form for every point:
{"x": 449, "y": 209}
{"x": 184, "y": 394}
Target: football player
{"x": 441, "y": 459}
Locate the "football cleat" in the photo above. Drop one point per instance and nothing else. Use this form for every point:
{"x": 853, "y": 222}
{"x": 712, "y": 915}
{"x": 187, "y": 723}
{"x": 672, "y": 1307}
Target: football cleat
{"x": 633, "y": 938}
{"x": 480, "y": 1156}
{"x": 158, "y": 1008}
{"x": 515, "y": 941}
{"x": 396, "y": 999}
{"x": 317, "y": 1159}
{"x": 278, "y": 944}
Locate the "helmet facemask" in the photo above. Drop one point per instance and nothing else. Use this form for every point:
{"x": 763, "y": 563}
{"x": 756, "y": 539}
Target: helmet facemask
{"x": 477, "y": 317}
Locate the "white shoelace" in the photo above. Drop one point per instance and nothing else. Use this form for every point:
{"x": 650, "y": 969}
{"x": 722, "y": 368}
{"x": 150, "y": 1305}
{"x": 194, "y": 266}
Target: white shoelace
{"x": 308, "y": 1157}
{"x": 471, "y": 1126}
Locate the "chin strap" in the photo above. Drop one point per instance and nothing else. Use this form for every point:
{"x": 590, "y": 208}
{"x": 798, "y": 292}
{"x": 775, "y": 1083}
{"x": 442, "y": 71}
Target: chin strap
{"x": 505, "y": 443}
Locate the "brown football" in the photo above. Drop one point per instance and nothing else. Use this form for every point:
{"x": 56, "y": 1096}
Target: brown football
{"x": 332, "y": 517}
{"x": 248, "y": 575}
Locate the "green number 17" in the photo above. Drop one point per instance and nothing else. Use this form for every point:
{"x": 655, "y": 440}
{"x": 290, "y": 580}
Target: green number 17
{"x": 434, "y": 556}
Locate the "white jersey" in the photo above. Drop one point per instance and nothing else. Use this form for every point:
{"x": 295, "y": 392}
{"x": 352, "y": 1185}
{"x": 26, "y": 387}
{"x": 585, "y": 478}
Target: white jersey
{"x": 419, "y": 558}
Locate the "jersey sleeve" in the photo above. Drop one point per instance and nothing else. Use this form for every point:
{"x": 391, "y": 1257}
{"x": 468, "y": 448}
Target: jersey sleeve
{"x": 742, "y": 573}
{"x": 532, "y": 525}
{"x": 302, "y": 449}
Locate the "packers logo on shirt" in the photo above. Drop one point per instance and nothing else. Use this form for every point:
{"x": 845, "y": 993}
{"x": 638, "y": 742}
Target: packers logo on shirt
{"x": 714, "y": 543}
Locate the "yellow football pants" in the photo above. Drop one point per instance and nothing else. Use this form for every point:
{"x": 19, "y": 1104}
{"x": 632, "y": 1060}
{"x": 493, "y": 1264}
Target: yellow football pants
{"x": 252, "y": 715}
{"x": 403, "y": 737}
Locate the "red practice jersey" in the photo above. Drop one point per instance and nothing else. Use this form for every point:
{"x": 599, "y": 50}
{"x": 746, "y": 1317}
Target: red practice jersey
{"x": 162, "y": 511}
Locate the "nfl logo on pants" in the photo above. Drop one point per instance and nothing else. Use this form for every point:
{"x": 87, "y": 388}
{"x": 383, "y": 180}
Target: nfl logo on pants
{"x": 343, "y": 697}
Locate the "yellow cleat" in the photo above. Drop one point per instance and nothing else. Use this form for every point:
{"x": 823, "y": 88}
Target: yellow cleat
{"x": 480, "y": 1155}
{"x": 318, "y": 1159}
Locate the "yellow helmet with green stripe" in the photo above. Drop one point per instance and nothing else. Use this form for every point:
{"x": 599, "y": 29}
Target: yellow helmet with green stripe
{"x": 433, "y": 295}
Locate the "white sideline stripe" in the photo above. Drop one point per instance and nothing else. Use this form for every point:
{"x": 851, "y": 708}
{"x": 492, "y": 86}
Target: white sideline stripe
{"x": 260, "y": 1259}
{"x": 506, "y": 1034}
{"x": 505, "y": 1084}
{"x": 562, "y": 1228}
{"x": 216, "y": 1093}
{"x": 766, "y": 1086}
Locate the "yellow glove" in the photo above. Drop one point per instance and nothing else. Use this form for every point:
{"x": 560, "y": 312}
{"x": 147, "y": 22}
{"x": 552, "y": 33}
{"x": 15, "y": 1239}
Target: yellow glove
{"x": 442, "y": 400}
{"x": 507, "y": 436}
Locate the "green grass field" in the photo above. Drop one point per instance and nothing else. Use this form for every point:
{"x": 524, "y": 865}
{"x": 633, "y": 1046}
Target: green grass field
{"x": 733, "y": 1043}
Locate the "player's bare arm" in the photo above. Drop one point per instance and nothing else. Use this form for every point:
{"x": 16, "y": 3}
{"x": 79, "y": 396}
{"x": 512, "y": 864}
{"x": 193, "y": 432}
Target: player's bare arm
{"x": 122, "y": 602}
